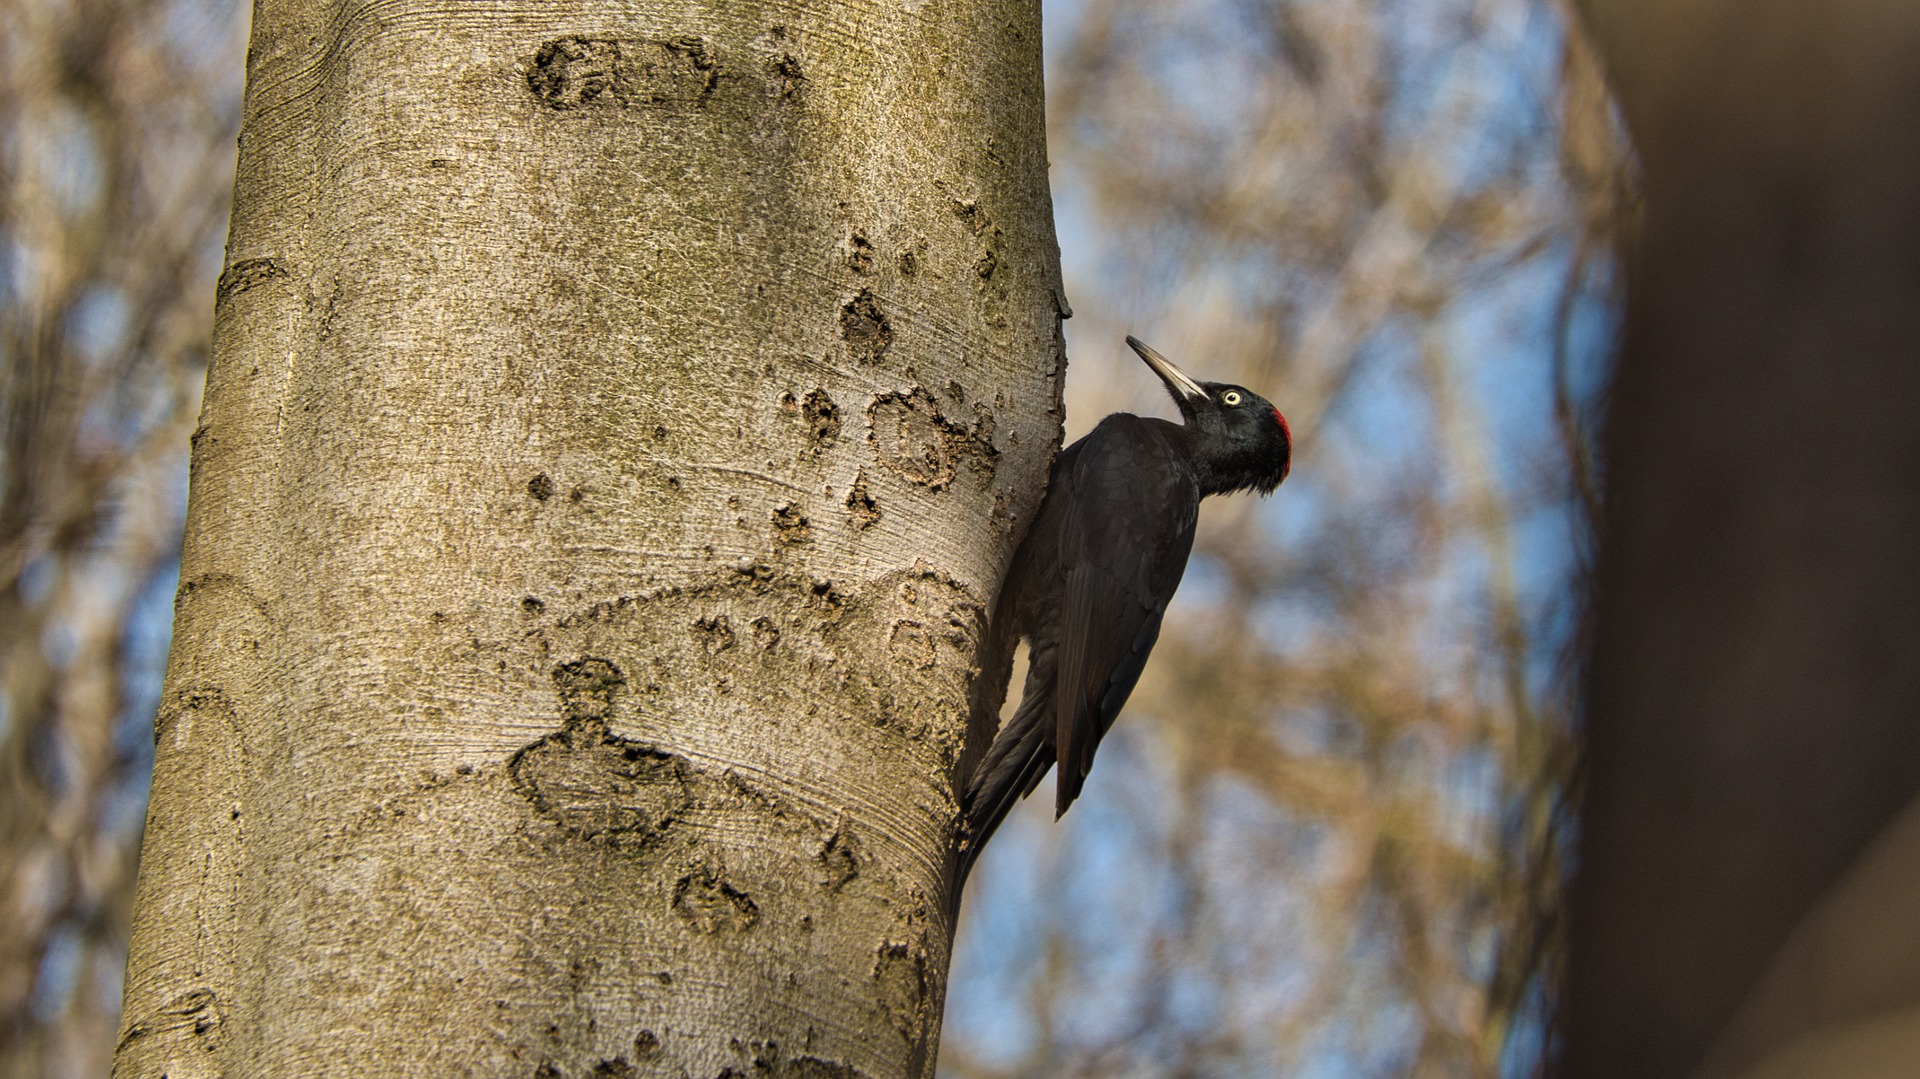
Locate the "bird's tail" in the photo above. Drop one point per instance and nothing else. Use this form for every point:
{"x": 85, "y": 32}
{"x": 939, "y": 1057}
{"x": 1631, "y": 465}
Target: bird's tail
{"x": 1013, "y": 767}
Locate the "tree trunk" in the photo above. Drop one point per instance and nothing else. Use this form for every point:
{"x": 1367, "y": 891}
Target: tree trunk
{"x": 1756, "y": 676}
{"x": 618, "y": 421}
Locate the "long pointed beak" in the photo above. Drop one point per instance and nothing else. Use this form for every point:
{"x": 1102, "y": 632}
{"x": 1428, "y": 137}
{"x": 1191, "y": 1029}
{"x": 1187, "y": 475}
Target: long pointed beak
{"x": 1183, "y": 387}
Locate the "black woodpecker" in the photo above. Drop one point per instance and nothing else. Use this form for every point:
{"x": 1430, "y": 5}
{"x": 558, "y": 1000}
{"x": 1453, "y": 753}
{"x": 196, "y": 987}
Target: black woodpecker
{"x": 1091, "y": 581}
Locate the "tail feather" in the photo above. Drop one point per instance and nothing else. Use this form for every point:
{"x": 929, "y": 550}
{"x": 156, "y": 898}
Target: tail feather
{"x": 1014, "y": 765}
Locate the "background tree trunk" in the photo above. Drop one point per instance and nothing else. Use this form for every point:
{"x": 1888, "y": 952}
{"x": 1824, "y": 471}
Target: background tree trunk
{"x": 619, "y": 417}
{"x": 1756, "y": 677}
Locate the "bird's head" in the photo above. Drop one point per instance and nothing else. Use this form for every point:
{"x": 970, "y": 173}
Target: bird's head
{"x": 1239, "y": 437}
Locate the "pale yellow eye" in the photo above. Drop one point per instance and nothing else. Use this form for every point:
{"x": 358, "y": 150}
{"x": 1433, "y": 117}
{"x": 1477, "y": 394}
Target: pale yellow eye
{"x": 1231, "y": 397}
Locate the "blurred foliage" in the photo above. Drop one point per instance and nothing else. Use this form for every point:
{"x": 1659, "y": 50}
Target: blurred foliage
{"x": 117, "y": 120}
{"x": 1328, "y": 838}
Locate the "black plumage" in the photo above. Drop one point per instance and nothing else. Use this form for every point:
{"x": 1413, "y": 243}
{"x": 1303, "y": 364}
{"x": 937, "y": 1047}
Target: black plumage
{"x": 1091, "y": 581}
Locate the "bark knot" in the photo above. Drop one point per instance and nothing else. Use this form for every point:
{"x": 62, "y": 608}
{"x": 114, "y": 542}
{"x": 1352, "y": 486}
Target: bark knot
{"x": 245, "y": 274}
{"x": 194, "y": 1015}
{"x": 575, "y": 72}
{"x": 790, "y": 526}
{"x": 914, "y": 438}
{"x": 595, "y": 784}
{"x": 865, "y": 328}
{"x": 862, "y": 508}
{"x": 822, "y": 416}
{"x": 709, "y": 902}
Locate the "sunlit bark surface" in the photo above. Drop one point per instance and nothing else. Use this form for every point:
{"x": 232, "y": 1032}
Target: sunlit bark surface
{"x": 618, "y": 419}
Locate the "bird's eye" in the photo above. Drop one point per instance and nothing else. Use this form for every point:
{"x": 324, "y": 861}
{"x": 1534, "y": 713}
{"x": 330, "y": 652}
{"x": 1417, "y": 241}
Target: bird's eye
{"x": 1231, "y": 397}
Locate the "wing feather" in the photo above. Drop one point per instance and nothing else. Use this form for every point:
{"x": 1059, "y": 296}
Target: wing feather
{"x": 1124, "y": 548}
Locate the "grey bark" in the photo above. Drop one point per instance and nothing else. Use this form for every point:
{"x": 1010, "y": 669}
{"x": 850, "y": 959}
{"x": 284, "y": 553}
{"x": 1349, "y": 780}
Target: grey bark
{"x": 619, "y": 419}
{"x": 1756, "y": 675}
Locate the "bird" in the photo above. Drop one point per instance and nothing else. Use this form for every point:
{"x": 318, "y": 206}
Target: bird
{"x": 1090, "y": 582}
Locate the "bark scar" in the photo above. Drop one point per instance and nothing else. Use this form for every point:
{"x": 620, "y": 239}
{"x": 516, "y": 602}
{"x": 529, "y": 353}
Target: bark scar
{"x": 593, "y": 783}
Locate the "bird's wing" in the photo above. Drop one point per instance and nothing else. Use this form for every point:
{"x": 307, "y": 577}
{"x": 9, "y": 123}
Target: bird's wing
{"x": 1124, "y": 547}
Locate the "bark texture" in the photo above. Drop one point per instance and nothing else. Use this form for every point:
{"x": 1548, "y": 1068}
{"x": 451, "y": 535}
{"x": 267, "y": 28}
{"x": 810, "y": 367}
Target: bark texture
{"x": 618, "y": 421}
{"x": 1756, "y": 674}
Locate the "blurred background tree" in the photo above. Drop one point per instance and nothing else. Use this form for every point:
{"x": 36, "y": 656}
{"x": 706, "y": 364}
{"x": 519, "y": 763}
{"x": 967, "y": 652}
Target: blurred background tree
{"x": 117, "y": 120}
{"x": 1327, "y": 838}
